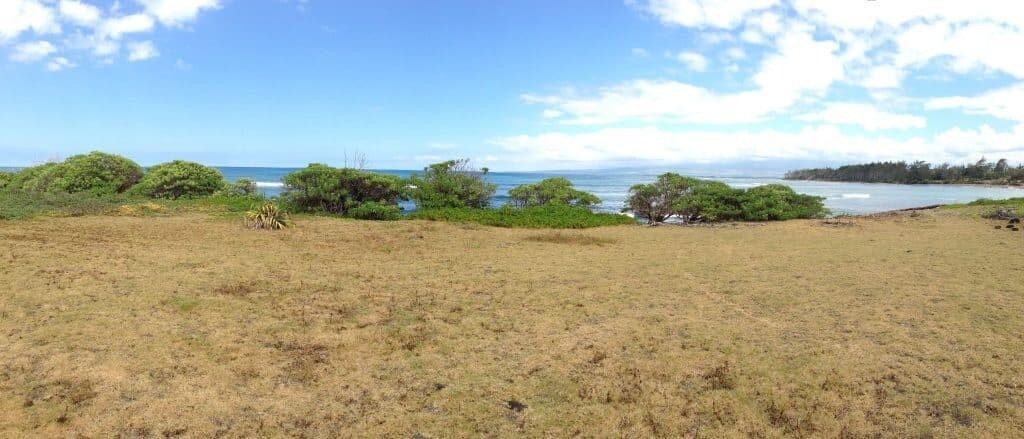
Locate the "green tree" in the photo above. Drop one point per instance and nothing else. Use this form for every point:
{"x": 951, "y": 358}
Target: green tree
{"x": 321, "y": 188}
{"x": 556, "y": 190}
{"x": 180, "y": 179}
{"x": 658, "y": 201}
{"x": 451, "y": 184}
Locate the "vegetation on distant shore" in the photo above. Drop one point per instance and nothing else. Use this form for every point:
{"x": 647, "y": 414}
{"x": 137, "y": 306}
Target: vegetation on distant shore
{"x": 919, "y": 172}
{"x": 693, "y": 200}
{"x": 549, "y": 216}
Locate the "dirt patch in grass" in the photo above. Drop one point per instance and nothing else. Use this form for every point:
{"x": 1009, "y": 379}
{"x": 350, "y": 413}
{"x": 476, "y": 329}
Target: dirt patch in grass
{"x": 187, "y": 325}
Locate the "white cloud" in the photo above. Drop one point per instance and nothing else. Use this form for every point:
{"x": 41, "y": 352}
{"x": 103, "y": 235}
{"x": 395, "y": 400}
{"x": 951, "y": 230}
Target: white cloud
{"x": 142, "y": 51}
{"x": 1005, "y": 103}
{"x": 17, "y": 16}
{"x": 693, "y": 60}
{"x": 864, "y": 115}
{"x": 177, "y": 12}
{"x": 883, "y": 77}
{"x": 129, "y": 24}
{"x": 704, "y": 13}
{"x": 825, "y": 143}
{"x": 639, "y": 52}
{"x": 33, "y": 51}
{"x": 661, "y": 101}
{"x": 79, "y": 13}
{"x": 59, "y": 63}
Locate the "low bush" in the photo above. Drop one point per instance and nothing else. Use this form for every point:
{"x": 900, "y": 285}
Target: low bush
{"x": 180, "y": 179}
{"x": 376, "y": 211}
{"x": 96, "y": 172}
{"x": 5, "y": 178}
{"x": 694, "y": 200}
{"x": 267, "y": 217}
{"x": 776, "y": 202}
{"x": 538, "y": 217}
{"x": 557, "y": 190}
{"x": 243, "y": 187}
{"x": 451, "y": 184}
{"x": 37, "y": 178}
{"x": 321, "y": 188}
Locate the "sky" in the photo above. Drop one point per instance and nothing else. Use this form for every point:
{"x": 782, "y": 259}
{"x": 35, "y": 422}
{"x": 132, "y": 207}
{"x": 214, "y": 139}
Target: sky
{"x": 512, "y": 84}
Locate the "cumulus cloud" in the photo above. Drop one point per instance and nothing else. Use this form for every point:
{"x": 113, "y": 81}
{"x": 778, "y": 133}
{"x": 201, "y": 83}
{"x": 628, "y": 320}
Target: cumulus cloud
{"x": 693, "y": 60}
{"x": 177, "y": 12}
{"x": 79, "y": 13}
{"x": 17, "y": 16}
{"x": 1005, "y": 103}
{"x": 34, "y": 51}
{"x": 142, "y": 51}
{"x": 866, "y": 116}
{"x": 59, "y": 63}
{"x": 705, "y": 13}
{"x": 90, "y": 28}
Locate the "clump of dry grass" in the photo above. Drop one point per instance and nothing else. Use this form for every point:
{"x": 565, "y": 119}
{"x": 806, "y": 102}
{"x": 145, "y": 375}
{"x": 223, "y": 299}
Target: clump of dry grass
{"x": 569, "y": 238}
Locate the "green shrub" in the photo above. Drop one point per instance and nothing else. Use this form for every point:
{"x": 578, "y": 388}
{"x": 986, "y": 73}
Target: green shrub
{"x": 37, "y": 178}
{"x": 451, "y": 184}
{"x": 321, "y": 188}
{"x": 243, "y": 187}
{"x": 711, "y": 201}
{"x": 5, "y": 178}
{"x": 267, "y": 217}
{"x": 96, "y": 172}
{"x": 659, "y": 201}
{"x": 537, "y": 217}
{"x": 180, "y": 179}
{"x": 372, "y": 210}
{"x": 557, "y": 190}
{"x": 774, "y": 202}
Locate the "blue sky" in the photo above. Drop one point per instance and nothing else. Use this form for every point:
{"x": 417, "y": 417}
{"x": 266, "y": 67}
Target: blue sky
{"x": 515, "y": 85}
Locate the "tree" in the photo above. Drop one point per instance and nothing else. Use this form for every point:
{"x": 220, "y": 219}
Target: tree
{"x": 556, "y": 190}
{"x": 321, "y": 188}
{"x": 658, "y": 201}
{"x": 453, "y": 183}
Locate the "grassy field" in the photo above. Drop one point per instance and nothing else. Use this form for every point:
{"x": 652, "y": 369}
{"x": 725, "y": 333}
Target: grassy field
{"x": 908, "y": 325}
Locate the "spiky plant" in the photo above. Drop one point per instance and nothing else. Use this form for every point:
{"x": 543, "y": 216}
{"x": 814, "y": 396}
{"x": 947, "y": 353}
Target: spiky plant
{"x": 268, "y": 217}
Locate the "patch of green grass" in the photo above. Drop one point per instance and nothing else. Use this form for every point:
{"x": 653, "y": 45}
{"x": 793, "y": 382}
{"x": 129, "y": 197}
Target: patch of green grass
{"x": 16, "y": 204}
{"x": 184, "y": 304}
{"x": 540, "y": 217}
{"x": 1016, "y": 203}
{"x": 19, "y": 204}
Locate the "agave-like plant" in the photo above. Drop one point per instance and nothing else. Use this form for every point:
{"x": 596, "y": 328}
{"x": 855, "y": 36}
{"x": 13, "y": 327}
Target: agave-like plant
{"x": 268, "y": 217}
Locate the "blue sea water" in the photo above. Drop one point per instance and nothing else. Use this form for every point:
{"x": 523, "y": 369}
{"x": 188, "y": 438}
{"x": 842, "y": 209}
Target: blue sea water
{"x": 612, "y": 185}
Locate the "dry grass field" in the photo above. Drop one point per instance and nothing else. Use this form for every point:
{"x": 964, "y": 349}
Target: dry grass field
{"x": 189, "y": 325}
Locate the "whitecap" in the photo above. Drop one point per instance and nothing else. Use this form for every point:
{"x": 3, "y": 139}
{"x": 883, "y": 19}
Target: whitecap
{"x": 857, "y": 196}
{"x": 269, "y": 184}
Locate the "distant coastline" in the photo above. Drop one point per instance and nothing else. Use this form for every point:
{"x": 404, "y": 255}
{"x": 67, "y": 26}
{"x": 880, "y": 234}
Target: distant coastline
{"x": 980, "y": 173}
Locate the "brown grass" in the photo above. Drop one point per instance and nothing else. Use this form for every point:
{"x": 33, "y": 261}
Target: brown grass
{"x": 900, "y": 326}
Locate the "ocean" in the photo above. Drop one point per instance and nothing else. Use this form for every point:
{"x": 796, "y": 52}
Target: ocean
{"x": 612, "y": 186}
